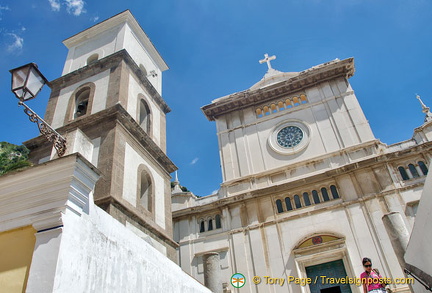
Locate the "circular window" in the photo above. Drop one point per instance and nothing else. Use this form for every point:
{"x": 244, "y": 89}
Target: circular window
{"x": 289, "y": 137}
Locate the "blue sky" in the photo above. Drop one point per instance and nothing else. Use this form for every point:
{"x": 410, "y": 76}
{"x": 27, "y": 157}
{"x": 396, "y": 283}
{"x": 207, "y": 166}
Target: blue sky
{"x": 213, "y": 48}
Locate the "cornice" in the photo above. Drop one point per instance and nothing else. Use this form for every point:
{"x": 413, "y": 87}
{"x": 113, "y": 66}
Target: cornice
{"x": 325, "y": 175}
{"x": 240, "y": 100}
{"x": 117, "y": 20}
{"x": 114, "y": 113}
{"x": 40, "y": 195}
{"x": 107, "y": 63}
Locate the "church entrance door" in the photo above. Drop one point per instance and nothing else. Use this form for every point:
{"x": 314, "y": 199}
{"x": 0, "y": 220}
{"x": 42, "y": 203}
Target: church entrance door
{"x": 333, "y": 272}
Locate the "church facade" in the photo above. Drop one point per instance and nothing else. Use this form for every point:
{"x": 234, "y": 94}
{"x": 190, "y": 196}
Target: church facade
{"x": 306, "y": 188}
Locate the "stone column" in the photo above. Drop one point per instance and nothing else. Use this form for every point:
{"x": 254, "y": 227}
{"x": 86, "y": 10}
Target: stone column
{"x": 398, "y": 233}
{"x": 399, "y": 237}
{"x": 212, "y": 272}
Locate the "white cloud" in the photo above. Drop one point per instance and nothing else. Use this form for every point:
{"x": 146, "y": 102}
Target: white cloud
{"x": 75, "y": 7}
{"x": 55, "y": 5}
{"x": 1, "y": 10}
{"x": 17, "y": 43}
{"x": 94, "y": 19}
{"x": 194, "y": 161}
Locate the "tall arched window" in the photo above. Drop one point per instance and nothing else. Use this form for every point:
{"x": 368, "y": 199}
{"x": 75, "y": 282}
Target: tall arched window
{"x": 81, "y": 102}
{"x": 210, "y": 225}
{"x": 297, "y": 201}
{"x": 279, "y": 206}
{"x": 288, "y": 203}
{"x": 144, "y": 116}
{"x": 315, "y": 196}
{"x": 403, "y": 173}
{"x": 202, "y": 226}
{"x": 413, "y": 171}
{"x": 325, "y": 194}
{"x": 423, "y": 167}
{"x": 306, "y": 199}
{"x": 218, "y": 221}
{"x": 146, "y": 191}
{"x": 334, "y": 191}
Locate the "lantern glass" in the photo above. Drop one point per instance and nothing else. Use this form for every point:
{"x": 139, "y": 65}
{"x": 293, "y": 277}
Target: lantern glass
{"x": 27, "y": 81}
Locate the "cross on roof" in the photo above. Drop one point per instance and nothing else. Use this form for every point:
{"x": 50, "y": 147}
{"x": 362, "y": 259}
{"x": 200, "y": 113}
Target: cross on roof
{"x": 267, "y": 59}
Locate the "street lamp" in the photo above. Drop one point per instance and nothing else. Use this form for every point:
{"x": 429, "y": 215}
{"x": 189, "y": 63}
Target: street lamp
{"x": 27, "y": 82}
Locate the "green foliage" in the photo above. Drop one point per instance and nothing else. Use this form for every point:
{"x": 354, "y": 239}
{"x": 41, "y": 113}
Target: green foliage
{"x": 13, "y": 157}
{"x": 184, "y": 189}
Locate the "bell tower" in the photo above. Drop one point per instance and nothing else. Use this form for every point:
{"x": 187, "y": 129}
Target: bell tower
{"x": 108, "y": 105}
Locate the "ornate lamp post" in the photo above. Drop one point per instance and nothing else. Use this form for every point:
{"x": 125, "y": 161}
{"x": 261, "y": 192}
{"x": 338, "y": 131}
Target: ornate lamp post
{"x": 27, "y": 82}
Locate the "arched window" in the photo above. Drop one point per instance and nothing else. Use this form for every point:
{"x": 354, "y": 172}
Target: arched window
{"x": 303, "y": 99}
{"x": 279, "y": 206}
{"x": 92, "y": 59}
{"x": 413, "y": 171}
{"x": 142, "y": 68}
{"x": 334, "y": 191}
{"x": 218, "y": 221}
{"x": 297, "y": 201}
{"x": 202, "y": 226}
{"x": 325, "y": 194}
{"x": 403, "y": 173}
{"x": 81, "y": 102}
{"x": 306, "y": 199}
{"x": 146, "y": 191}
{"x": 210, "y": 225}
{"x": 423, "y": 167}
{"x": 281, "y": 106}
{"x": 288, "y": 203}
{"x": 144, "y": 116}
{"x": 315, "y": 196}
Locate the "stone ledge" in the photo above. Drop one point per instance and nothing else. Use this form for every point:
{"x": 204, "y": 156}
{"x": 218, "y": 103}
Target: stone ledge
{"x": 39, "y": 195}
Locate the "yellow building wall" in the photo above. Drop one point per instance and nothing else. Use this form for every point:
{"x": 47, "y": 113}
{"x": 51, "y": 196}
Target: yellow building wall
{"x": 16, "y": 251}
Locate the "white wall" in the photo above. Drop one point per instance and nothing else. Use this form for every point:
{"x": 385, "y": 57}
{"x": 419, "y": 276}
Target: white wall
{"x": 333, "y": 115}
{"x": 98, "y": 254}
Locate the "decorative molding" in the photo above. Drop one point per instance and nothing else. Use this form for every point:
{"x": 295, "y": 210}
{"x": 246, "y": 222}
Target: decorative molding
{"x": 39, "y": 195}
{"x": 305, "y": 79}
{"x": 106, "y": 63}
{"x": 118, "y": 114}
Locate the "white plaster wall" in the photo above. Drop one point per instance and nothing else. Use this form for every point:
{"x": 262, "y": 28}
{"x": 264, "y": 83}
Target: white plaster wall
{"x": 111, "y": 41}
{"x": 134, "y": 90}
{"x": 140, "y": 56}
{"x": 130, "y": 183}
{"x": 103, "y": 44}
{"x": 101, "y": 82}
{"x": 150, "y": 240}
{"x": 98, "y": 254}
{"x": 333, "y": 114}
